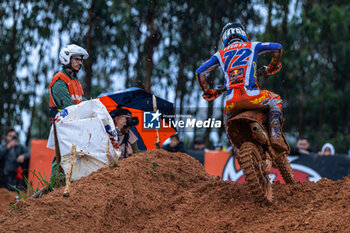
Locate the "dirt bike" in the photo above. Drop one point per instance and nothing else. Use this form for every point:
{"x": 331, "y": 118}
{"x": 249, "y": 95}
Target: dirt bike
{"x": 248, "y": 131}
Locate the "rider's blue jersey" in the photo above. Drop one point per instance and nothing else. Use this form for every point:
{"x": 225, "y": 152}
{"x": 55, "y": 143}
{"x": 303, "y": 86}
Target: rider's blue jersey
{"x": 238, "y": 62}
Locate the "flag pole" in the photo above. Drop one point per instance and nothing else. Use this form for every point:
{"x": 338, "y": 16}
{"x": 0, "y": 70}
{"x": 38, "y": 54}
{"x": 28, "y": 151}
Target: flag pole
{"x": 154, "y": 100}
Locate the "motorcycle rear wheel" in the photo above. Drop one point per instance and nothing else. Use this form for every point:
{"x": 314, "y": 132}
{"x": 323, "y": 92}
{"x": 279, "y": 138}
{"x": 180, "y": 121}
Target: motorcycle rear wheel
{"x": 251, "y": 164}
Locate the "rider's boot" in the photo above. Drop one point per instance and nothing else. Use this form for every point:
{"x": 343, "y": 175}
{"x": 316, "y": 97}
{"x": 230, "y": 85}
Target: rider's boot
{"x": 276, "y": 138}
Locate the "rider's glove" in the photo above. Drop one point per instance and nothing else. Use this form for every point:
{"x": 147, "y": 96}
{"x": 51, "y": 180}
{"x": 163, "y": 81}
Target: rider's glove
{"x": 273, "y": 69}
{"x": 210, "y": 95}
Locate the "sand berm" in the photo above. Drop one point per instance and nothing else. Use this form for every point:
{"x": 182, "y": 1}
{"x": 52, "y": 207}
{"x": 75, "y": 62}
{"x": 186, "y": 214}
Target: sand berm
{"x": 158, "y": 191}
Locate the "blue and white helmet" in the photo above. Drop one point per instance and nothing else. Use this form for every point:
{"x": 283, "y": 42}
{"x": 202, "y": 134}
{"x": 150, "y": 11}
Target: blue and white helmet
{"x": 233, "y": 32}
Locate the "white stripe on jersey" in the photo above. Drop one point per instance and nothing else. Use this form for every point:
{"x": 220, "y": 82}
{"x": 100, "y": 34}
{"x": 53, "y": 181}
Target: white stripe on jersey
{"x": 249, "y": 68}
{"x": 217, "y": 54}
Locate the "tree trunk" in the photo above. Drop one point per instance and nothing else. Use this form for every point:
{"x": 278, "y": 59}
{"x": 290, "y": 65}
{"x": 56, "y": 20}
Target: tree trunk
{"x": 198, "y": 99}
{"x": 150, "y": 43}
{"x": 32, "y": 114}
{"x": 10, "y": 94}
{"x": 89, "y": 40}
{"x": 302, "y": 104}
{"x": 181, "y": 87}
{"x": 127, "y": 65}
{"x": 139, "y": 64}
{"x": 211, "y": 75}
{"x": 285, "y": 19}
{"x": 269, "y": 14}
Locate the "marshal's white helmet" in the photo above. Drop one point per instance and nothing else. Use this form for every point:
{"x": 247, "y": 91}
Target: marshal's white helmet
{"x": 71, "y": 50}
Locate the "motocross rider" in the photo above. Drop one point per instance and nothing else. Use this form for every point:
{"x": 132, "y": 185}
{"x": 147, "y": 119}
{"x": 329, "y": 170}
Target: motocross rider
{"x": 238, "y": 61}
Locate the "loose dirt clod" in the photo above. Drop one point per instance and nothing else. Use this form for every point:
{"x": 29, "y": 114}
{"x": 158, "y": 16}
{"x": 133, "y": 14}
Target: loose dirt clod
{"x": 177, "y": 195}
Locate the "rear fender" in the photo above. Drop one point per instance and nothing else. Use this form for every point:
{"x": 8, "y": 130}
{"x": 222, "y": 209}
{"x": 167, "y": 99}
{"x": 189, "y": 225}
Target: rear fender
{"x": 247, "y": 126}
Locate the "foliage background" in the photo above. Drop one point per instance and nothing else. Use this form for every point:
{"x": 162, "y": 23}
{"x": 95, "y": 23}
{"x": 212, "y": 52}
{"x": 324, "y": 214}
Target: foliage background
{"x": 157, "y": 45}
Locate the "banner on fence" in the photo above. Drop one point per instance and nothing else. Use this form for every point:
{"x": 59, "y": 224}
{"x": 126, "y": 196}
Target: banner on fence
{"x": 305, "y": 168}
{"x": 40, "y": 162}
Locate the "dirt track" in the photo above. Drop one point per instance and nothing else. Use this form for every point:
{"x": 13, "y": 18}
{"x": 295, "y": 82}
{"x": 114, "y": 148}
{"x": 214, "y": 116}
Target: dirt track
{"x": 5, "y": 198}
{"x": 171, "y": 192}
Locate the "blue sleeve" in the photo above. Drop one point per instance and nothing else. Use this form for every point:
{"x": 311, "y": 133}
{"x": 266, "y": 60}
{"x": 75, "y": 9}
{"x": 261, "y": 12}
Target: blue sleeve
{"x": 267, "y": 47}
{"x": 208, "y": 66}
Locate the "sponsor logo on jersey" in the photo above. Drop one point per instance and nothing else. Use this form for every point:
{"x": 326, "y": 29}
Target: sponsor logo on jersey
{"x": 237, "y": 81}
{"x": 236, "y": 74}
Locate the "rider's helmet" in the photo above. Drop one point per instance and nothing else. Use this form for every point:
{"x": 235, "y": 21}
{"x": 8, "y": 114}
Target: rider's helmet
{"x": 71, "y": 50}
{"x": 233, "y": 32}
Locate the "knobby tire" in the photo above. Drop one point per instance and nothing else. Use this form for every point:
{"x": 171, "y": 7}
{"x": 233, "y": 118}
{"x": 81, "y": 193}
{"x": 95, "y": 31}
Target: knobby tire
{"x": 258, "y": 182}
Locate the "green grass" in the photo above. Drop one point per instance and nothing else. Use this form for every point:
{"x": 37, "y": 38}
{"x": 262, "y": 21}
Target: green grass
{"x": 113, "y": 165}
{"x": 49, "y": 186}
